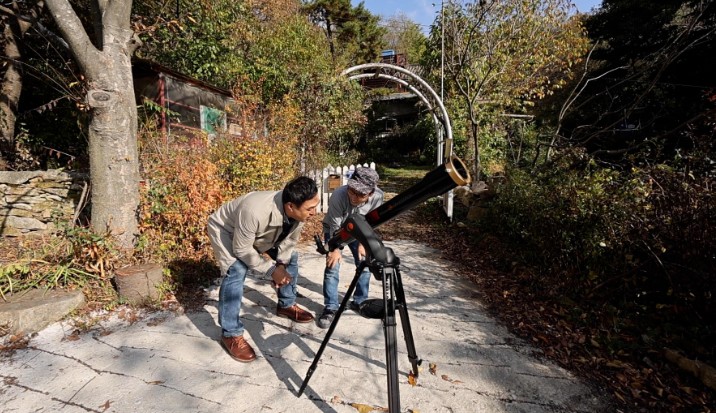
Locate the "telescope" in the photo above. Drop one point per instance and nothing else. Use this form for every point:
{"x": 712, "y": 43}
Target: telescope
{"x": 445, "y": 177}
{"x": 385, "y": 267}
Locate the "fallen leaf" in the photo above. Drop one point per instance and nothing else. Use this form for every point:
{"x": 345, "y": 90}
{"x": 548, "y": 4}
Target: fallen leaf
{"x": 447, "y": 378}
{"x": 616, "y": 364}
{"x": 433, "y": 368}
{"x": 411, "y": 379}
{"x": 336, "y": 400}
{"x": 156, "y": 382}
{"x": 105, "y": 406}
{"x": 74, "y": 336}
{"x": 687, "y": 390}
{"x": 362, "y": 408}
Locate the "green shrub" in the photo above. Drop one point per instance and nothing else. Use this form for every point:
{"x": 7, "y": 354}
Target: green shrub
{"x": 646, "y": 229}
{"x": 566, "y": 221}
{"x": 635, "y": 246}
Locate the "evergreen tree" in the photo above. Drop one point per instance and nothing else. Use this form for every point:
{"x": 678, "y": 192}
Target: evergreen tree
{"x": 353, "y": 33}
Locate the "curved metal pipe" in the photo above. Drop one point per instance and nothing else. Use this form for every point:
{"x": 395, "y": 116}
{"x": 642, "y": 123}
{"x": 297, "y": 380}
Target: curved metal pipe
{"x": 421, "y": 82}
{"x": 420, "y": 95}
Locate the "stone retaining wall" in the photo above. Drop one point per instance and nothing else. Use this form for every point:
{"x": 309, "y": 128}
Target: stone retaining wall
{"x": 31, "y": 201}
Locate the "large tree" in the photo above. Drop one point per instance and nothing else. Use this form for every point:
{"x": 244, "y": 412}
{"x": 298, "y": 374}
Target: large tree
{"x": 103, "y": 54}
{"x": 196, "y": 37}
{"x": 504, "y": 55}
{"x": 642, "y": 93}
{"x": 16, "y": 20}
{"x": 404, "y": 36}
{"x": 288, "y": 56}
{"x": 270, "y": 55}
{"x": 353, "y": 34}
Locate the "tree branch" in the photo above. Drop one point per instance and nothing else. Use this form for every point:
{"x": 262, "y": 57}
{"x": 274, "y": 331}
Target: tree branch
{"x": 74, "y": 33}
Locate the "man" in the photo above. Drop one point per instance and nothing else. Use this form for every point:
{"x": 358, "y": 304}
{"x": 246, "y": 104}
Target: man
{"x": 244, "y": 233}
{"x": 360, "y": 195}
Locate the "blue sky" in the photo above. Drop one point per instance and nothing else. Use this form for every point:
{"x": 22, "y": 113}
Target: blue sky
{"x": 424, "y": 12}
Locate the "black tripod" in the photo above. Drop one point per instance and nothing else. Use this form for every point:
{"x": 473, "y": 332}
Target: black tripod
{"x": 385, "y": 267}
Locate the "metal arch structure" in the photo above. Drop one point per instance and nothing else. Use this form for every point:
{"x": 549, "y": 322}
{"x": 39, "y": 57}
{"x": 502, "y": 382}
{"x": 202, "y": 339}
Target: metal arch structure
{"x": 402, "y": 76}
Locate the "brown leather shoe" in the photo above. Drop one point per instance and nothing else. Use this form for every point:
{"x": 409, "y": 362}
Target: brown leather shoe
{"x": 238, "y": 348}
{"x": 295, "y": 313}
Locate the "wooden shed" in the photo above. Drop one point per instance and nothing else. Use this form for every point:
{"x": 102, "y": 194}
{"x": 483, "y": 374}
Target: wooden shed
{"x": 189, "y": 107}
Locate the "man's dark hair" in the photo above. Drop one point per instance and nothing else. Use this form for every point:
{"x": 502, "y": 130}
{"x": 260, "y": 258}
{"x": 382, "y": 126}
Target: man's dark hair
{"x": 299, "y": 190}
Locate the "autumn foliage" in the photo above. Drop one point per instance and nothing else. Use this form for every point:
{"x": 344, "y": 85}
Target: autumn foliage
{"x": 185, "y": 184}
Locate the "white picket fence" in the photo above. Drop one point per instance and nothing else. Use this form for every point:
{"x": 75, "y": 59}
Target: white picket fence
{"x": 330, "y": 173}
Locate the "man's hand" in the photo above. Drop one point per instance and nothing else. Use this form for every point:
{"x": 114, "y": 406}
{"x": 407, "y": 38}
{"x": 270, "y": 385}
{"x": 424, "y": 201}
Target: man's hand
{"x": 333, "y": 258}
{"x": 280, "y": 276}
{"x": 361, "y": 252}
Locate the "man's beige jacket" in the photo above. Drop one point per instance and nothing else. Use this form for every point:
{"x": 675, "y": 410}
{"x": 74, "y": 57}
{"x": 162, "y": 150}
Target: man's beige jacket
{"x": 248, "y": 226}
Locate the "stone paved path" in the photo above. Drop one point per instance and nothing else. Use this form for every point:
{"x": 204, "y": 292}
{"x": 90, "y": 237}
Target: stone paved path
{"x": 173, "y": 363}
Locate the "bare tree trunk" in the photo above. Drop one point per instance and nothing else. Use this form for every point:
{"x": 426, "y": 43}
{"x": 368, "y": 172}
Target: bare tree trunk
{"x": 11, "y": 89}
{"x": 114, "y": 163}
{"x": 329, "y": 35}
{"x": 477, "y": 166}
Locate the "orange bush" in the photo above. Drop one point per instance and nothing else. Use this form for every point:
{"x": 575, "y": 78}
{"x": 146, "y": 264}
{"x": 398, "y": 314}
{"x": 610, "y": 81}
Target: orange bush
{"x": 187, "y": 181}
{"x": 183, "y": 188}
{"x": 185, "y": 184}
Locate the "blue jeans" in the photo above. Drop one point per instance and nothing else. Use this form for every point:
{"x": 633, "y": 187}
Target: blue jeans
{"x": 232, "y": 292}
{"x": 330, "y": 282}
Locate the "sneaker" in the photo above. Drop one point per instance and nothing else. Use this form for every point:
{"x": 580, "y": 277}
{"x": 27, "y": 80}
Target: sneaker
{"x": 355, "y": 307}
{"x": 295, "y": 313}
{"x": 238, "y": 349}
{"x": 326, "y": 318}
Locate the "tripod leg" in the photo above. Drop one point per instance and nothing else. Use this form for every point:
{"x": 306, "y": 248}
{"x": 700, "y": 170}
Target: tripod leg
{"x": 405, "y": 323}
{"x": 336, "y": 317}
{"x": 391, "y": 348}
